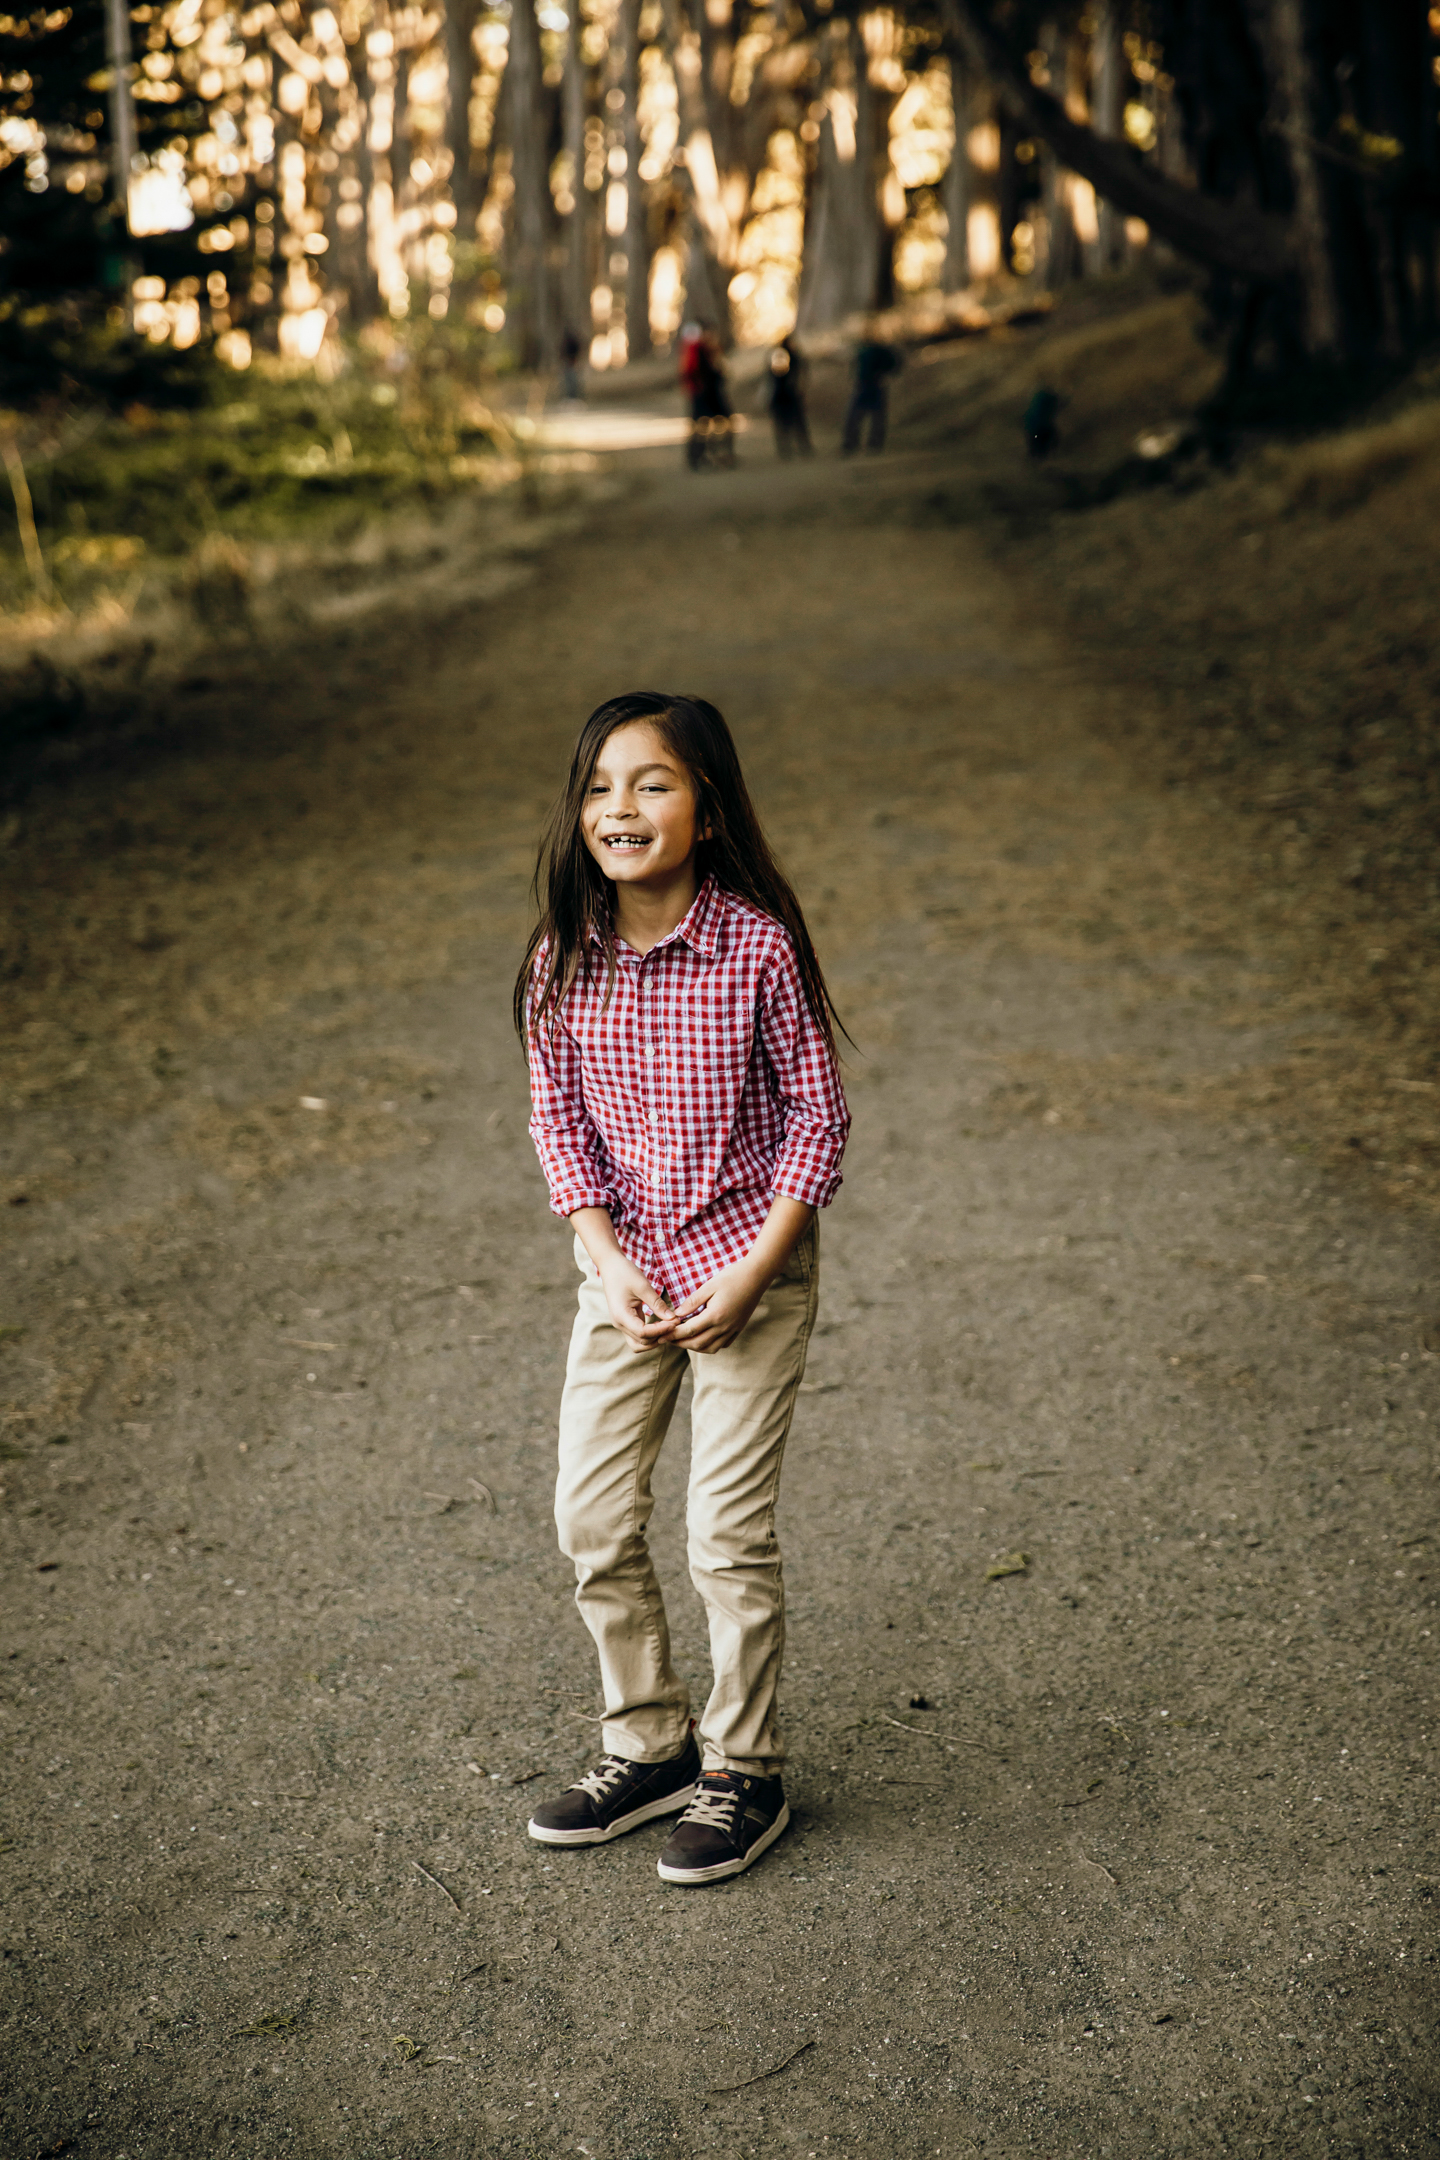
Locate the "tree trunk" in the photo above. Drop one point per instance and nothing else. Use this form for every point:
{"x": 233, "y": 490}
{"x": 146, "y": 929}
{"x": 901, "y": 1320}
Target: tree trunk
{"x": 577, "y": 280}
{"x": 637, "y": 217}
{"x": 469, "y": 172}
{"x": 527, "y": 306}
{"x": 1108, "y": 76}
{"x": 822, "y": 294}
{"x": 875, "y": 58}
{"x": 1309, "y": 128}
{"x": 715, "y": 24}
{"x": 840, "y": 239}
{"x": 1008, "y": 186}
{"x": 955, "y": 276}
{"x": 708, "y": 236}
{"x": 1293, "y": 79}
{"x": 354, "y": 269}
{"x": 1241, "y": 241}
{"x": 1062, "y": 249}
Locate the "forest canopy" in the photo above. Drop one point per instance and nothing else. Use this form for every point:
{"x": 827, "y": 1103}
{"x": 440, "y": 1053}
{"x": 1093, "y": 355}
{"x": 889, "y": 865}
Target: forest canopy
{"x": 275, "y": 178}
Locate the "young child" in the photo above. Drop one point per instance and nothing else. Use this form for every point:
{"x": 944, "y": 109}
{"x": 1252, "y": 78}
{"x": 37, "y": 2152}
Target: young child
{"x": 689, "y": 1119}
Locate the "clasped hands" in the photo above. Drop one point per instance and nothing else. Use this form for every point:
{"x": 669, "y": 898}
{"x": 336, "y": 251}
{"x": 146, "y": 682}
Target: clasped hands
{"x": 709, "y": 1319}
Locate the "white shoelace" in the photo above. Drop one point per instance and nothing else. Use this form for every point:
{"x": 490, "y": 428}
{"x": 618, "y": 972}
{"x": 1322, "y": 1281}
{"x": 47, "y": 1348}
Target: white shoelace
{"x": 714, "y": 1806}
{"x": 602, "y": 1780}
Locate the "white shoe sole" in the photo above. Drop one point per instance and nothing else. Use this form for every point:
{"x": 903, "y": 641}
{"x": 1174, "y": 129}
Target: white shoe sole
{"x": 723, "y": 1868}
{"x": 670, "y": 1805}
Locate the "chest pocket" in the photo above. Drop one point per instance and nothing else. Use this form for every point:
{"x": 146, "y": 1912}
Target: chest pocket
{"x": 715, "y": 1041}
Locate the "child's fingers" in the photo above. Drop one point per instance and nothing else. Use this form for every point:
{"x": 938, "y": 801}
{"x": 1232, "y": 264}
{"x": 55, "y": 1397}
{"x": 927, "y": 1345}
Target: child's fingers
{"x": 709, "y": 1335}
{"x": 645, "y": 1306}
{"x": 645, "y": 1332}
{"x": 713, "y": 1339}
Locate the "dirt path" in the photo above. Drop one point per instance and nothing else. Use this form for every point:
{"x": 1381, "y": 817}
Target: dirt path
{"x": 1130, "y": 1852}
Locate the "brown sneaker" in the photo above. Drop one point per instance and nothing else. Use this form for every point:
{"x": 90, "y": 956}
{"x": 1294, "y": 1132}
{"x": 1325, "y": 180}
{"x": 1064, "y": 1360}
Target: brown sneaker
{"x": 617, "y": 1796}
{"x": 729, "y": 1823}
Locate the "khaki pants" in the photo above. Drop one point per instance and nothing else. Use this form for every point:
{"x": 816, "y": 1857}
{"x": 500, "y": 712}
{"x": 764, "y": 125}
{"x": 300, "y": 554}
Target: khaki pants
{"x": 614, "y": 1415}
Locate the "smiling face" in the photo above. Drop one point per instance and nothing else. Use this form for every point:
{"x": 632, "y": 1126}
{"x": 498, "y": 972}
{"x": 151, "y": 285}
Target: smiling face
{"x": 640, "y": 820}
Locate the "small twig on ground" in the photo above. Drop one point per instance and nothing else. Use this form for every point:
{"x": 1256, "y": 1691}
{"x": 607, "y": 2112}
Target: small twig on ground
{"x": 1099, "y": 1869}
{"x": 437, "y": 1882}
{"x": 448, "y": 1498}
{"x": 483, "y": 1492}
{"x": 925, "y": 1734}
{"x": 591, "y": 1717}
{"x": 761, "y": 2075}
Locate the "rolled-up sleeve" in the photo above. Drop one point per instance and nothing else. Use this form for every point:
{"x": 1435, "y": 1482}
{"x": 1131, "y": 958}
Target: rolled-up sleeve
{"x": 566, "y": 1139}
{"x": 807, "y": 1085}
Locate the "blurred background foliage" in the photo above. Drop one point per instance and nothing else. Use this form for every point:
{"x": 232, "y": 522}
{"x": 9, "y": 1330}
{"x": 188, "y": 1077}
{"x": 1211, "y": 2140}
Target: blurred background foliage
{"x": 294, "y": 172}
{"x": 258, "y": 260}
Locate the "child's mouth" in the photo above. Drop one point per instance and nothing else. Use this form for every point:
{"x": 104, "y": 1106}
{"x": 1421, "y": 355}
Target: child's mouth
{"x": 625, "y": 843}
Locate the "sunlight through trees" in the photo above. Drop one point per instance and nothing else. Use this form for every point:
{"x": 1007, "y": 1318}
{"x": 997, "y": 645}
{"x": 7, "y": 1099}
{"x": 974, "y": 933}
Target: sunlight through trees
{"x": 278, "y": 176}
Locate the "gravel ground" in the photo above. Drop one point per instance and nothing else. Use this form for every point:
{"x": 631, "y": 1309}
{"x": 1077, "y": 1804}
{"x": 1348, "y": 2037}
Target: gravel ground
{"x": 1109, "y": 1510}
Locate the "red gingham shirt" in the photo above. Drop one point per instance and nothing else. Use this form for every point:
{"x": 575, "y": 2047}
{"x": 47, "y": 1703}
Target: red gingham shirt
{"x": 702, "y": 1091}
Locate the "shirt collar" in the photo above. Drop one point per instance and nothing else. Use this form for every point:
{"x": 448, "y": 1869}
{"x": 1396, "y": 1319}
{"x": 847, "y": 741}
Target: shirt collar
{"x": 699, "y": 928}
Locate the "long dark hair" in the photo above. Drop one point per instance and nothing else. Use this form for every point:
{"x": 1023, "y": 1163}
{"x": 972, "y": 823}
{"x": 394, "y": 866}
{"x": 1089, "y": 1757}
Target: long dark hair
{"x": 575, "y": 900}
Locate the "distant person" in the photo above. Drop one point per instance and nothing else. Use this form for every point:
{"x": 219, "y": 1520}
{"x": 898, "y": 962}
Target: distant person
{"x": 671, "y": 968}
{"x": 1041, "y": 432}
{"x": 712, "y": 427}
{"x": 787, "y": 399}
{"x": 688, "y": 349}
{"x": 687, "y": 356}
{"x": 875, "y": 362}
{"x": 571, "y": 354}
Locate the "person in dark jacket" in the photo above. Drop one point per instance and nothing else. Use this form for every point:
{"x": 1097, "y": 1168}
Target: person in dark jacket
{"x": 716, "y": 414}
{"x": 572, "y": 352}
{"x": 1041, "y": 432}
{"x": 875, "y": 362}
{"x": 787, "y": 399}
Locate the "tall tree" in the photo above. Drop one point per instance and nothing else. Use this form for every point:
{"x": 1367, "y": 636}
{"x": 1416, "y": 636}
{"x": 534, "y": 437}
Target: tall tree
{"x": 848, "y": 245}
{"x": 956, "y": 189}
{"x": 637, "y": 216}
{"x": 1308, "y": 125}
{"x": 576, "y": 279}
{"x": 530, "y": 323}
{"x": 708, "y": 234}
{"x": 1062, "y": 247}
{"x": 877, "y": 75}
{"x": 468, "y": 164}
{"x": 1107, "y": 98}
